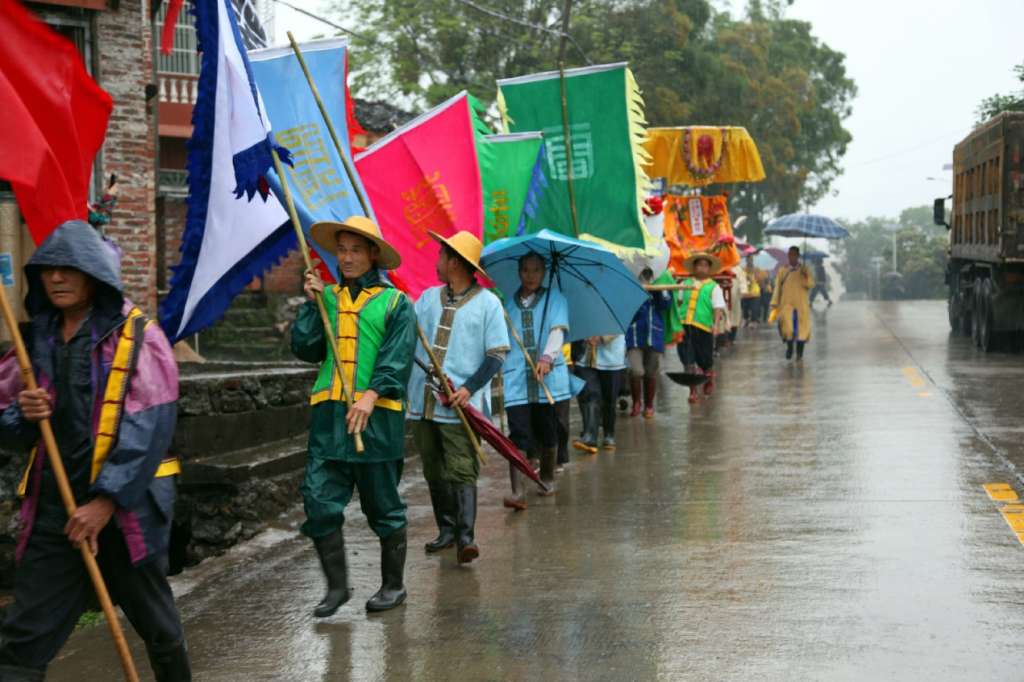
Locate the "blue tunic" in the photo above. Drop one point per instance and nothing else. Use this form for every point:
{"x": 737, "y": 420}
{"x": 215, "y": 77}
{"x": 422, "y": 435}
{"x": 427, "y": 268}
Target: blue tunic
{"x": 648, "y": 327}
{"x": 477, "y": 327}
{"x": 608, "y": 357}
{"x": 548, "y": 311}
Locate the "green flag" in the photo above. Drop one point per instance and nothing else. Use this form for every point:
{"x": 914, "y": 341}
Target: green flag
{"x": 605, "y": 113}
{"x": 512, "y": 177}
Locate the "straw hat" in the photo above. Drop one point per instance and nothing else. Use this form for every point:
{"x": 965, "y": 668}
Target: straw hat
{"x": 464, "y": 244}
{"x": 716, "y": 263}
{"x": 325, "y": 234}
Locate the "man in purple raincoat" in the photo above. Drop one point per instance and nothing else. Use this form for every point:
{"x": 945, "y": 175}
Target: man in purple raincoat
{"x": 109, "y": 384}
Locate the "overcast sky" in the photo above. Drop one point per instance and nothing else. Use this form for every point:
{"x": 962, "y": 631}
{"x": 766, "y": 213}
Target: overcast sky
{"x": 921, "y": 68}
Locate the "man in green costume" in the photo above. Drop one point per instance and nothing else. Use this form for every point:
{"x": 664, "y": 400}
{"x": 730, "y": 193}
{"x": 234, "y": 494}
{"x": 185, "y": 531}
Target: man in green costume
{"x": 375, "y": 329}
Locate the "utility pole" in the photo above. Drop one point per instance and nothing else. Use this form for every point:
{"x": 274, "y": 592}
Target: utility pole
{"x": 566, "y": 14}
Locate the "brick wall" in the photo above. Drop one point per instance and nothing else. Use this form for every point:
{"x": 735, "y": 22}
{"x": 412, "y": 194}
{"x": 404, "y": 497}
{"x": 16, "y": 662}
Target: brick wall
{"x": 124, "y": 68}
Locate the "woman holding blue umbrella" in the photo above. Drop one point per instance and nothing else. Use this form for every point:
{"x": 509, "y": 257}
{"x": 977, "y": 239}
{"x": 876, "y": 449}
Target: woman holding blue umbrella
{"x": 539, "y": 317}
{"x": 556, "y": 289}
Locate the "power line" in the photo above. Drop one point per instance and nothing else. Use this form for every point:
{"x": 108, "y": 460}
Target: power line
{"x": 536, "y": 27}
{"x": 328, "y": 22}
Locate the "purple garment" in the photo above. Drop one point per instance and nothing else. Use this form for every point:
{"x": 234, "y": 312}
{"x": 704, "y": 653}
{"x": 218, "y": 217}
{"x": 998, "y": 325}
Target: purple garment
{"x": 144, "y": 503}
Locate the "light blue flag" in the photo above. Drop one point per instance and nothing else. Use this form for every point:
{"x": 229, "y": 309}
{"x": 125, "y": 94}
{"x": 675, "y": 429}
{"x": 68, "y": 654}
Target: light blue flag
{"x": 319, "y": 185}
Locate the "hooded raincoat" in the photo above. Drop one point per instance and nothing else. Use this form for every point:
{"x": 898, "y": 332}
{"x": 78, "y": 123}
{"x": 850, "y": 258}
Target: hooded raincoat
{"x": 131, "y": 390}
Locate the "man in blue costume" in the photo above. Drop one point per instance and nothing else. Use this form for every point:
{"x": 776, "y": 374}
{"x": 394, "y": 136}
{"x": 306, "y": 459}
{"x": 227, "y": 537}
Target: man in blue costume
{"x": 466, "y": 328}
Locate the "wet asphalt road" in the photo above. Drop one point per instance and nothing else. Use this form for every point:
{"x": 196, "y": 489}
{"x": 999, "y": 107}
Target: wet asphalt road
{"x": 814, "y": 521}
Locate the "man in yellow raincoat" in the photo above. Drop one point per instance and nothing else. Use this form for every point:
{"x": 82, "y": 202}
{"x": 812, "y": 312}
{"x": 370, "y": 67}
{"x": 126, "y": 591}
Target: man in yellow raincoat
{"x": 791, "y": 303}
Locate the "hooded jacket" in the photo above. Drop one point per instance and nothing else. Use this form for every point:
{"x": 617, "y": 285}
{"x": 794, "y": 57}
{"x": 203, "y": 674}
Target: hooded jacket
{"x": 134, "y": 383}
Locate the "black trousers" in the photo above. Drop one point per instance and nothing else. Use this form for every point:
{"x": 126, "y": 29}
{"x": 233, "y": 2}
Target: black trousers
{"x": 751, "y": 309}
{"x": 532, "y": 426}
{"x": 697, "y": 348}
{"x": 562, "y": 423}
{"x": 602, "y": 385}
{"x": 52, "y": 589}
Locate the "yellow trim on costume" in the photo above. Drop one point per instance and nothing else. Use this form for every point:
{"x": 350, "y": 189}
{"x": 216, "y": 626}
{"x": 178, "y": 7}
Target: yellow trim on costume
{"x": 169, "y": 467}
{"x": 23, "y": 485}
{"x": 114, "y": 395}
{"x": 385, "y": 403}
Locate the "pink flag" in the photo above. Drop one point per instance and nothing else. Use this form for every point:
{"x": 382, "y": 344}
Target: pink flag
{"x": 422, "y": 178}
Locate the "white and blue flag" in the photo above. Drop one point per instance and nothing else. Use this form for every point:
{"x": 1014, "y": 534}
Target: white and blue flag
{"x": 235, "y": 228}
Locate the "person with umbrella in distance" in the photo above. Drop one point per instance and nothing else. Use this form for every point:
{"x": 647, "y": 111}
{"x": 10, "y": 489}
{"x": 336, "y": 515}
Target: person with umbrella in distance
{"x": 540, "y": 318}
{"x": 791, "y": 303}
{"x": 701, "y": 306}
{"x": 376, "y": 330}
{"x": 466, "y": 327}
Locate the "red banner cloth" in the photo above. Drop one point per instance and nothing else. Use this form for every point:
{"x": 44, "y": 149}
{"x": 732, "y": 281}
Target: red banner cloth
{"x": 52, "y": 121}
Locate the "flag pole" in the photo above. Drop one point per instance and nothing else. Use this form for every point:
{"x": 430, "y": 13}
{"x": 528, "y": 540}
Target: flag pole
{"x": 304, "y": 247}
{"x": 566, "y": 12}
{"x": 365, "y": 204}
{"x": 57, "y": 465}
{"x": 529, "y": 358}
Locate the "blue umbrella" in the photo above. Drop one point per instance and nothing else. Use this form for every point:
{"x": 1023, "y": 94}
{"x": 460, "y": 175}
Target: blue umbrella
{"x": 806, "y": 225}
{"x": 603, "y": 295}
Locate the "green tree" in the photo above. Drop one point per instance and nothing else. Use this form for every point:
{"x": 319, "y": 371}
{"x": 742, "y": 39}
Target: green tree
{"x": 998, "y": 103}
{"x": 868, "y": 239}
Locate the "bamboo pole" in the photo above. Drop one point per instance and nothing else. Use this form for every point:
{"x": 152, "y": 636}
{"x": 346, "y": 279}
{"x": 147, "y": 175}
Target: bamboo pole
{"x": 365, "y": 204}
{"x": 566, "y": 133}
{"x": 328, "y": 332}
{"x": 349, "y": 170}
{"x": 529, "y": 358}
{"x": 57, "y": 464}
{"x": 447, "y": 388}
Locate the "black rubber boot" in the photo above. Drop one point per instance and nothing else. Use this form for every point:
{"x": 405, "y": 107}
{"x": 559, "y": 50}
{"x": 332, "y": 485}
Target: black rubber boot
{"x": 443, "y": 501}
{"x": 169, "y": 664}
{"x": 465, "y": 520}
{"x": 17, "y": 673}
{"x": 517, "y": 500}
{"x": 547, "y": 470}
{"x": 789, "y": 350}
{"x": 800, "y": 350}
{"x": 592, "y": 416}
{"x": 392, "y": 573}
{"x": 331, "y": 550}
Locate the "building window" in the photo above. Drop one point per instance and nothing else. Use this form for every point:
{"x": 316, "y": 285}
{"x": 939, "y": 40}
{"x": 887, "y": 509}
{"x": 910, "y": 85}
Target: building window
{"x": 183, "y": 58}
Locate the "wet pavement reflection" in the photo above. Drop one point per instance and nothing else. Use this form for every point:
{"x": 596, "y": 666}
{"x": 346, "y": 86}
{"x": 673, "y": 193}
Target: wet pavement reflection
{"x": 814, "y": 521}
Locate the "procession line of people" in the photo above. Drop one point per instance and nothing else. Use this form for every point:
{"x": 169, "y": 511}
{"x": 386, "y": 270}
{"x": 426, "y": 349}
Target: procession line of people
{"x": 110, "y": 384}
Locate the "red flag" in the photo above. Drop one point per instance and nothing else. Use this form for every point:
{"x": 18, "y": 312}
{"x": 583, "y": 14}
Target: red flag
{"x": 170, "y": 21}
{"x": 54, "y": 116}
{"x": 424, "y": 177}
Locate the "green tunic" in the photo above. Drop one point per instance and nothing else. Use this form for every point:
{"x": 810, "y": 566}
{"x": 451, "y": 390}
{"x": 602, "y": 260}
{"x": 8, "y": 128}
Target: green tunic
{"x": 384, "y": 436}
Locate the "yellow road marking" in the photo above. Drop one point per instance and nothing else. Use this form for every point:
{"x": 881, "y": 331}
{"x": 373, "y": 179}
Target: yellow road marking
{"x": 1015, "y": 521}
{"x": 1000, "y": 492}
{"x": 914, "y": 377}
{"x": 923, "y": 394}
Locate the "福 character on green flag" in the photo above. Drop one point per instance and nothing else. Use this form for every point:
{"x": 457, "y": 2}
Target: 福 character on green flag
{"x": 605, "y": 115}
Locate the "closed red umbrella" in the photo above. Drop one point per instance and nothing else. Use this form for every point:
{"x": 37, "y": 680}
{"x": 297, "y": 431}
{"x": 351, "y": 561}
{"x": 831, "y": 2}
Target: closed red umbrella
{"x": 483, "y": 427}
